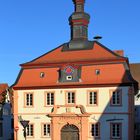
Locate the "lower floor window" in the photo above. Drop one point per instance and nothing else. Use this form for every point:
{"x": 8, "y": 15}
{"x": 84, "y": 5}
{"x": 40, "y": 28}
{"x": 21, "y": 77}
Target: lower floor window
{"x": 116, "y": 130}
{"x": 46, "y": 130}
{"x": 30, "y": 130}
{"x": 137, "y": 128}
{"x": 95, "y": 130}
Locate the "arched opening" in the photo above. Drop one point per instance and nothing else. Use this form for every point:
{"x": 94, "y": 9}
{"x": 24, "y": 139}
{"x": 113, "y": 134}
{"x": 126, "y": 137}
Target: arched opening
{"x": 69, "y": 132}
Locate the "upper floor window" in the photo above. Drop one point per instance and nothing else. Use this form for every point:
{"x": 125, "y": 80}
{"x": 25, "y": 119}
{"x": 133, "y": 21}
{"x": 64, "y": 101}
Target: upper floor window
{"x": 70, "y": 97}
{"x": 116, "y": 130}
{"x": 97, "y": 72}
{"x": 29, "y": 99}
{"x": 50, "y": 98}
{"x": 30, "y": 130}
{"x": 46, "y": 130}
{"x": 116, "y": 97}
{"x": 92, "y": 98}
{"x": 95, "y": 130}
{"x": 42, "y": 75}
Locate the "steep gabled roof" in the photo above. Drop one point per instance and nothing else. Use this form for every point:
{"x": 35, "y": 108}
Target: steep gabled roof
{"x": 135, "y": 71}
{"x": 3, "y": 88}
{"x": 98, "y": 52}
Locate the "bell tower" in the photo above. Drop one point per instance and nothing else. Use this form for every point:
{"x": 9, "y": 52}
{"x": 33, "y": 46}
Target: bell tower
{"x": 79, "y": 21}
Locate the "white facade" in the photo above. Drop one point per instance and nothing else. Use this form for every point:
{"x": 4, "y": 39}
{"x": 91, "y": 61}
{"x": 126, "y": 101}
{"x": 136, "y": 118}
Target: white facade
{"x": 102, "y": 113}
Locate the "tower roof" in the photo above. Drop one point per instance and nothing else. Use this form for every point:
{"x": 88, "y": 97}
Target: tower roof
{"x": 79, "y": 21}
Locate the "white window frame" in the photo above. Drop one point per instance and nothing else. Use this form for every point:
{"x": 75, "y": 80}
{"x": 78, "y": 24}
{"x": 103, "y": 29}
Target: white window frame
{"x": 116, "y": 134}
{"x": 29, "y": 99}
{"x": 92, "y": 97}
{"x": 95, "y": 130}
{"x": 30, "y": 130}
{"x": 70, "y": 97}
{"x": 116, "y": 98}
{"x": 46, "y": 130}
{"x": 50, "y": 98}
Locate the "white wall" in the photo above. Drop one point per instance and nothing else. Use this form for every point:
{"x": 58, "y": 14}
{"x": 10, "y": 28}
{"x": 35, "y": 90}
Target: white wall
{"x": 37, "y": 114}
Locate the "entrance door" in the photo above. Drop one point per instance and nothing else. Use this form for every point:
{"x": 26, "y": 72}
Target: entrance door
{"x": 69, "y": 132}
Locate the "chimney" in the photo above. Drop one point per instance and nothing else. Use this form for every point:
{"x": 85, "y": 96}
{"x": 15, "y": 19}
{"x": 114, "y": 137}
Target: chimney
{"x": 119, "y": 52}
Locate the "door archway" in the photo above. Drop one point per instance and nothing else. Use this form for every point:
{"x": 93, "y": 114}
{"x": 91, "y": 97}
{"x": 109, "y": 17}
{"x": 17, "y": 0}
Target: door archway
{"x": 69, "y": 132}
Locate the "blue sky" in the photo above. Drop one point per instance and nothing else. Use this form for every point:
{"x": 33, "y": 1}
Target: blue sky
{"x": 30, "y": 28}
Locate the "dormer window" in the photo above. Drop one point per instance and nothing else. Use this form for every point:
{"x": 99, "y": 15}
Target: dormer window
{"x": 69, "y": 77}
{"x": 42, "y": 75}
{"x": 97, "y": 71}
{"x": 69, "y": 74}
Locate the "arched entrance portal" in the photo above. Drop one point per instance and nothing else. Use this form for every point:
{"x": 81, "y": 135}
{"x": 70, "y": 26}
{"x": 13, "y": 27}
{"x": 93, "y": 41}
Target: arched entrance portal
{"x": 69, "y": 132}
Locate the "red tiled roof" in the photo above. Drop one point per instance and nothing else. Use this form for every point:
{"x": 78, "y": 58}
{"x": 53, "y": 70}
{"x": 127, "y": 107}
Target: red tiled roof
{"x": 3, "y": 87}
{"x": 111, "y": 72}
{"x": 98, "y": 52}
{"x": 135, "y": 71}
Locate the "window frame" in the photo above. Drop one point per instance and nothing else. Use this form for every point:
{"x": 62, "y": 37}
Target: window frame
{"x": 42, "y": 74}
{"x": 25, "y": 100}
{"x": 66, "y": 98}
{"x": 120, "y": 131}
{"x": 88, "y": 97}
{"x": 120, "y": 97}
{"x": 42, "y": 130}
{"x": 46, "y": 98}
{"x": 30, "y": 136}
{"x": 95, "y": 123}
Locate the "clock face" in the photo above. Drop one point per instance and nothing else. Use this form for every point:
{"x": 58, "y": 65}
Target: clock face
{"x": 69, "y": 70}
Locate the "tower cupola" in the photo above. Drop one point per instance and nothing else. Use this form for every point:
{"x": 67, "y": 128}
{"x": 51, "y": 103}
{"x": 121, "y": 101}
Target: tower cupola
{"x": 79, "y": 21}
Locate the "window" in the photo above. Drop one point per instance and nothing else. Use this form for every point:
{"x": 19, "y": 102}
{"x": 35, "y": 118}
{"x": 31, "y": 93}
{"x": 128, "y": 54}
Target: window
{"x": 46, "y": 130}
{"x": 42, "y": 75}
{"x": 137, "y": 128}
{"x": 92, "y": 98}
{"x": 116, "y": 97}
{"x": 30, "y": 130}
{"x": 136, "y": 112}
{"x": 1, "y": 129}
{"x": 95, "y": 130}
{"x": 97, "y": 72}
{"x": 29, "y": 99}
{"x": 69, "y": 77}
{"x": 70, "y": 97}
{"x": 50, "y": 98}
{"x": 115, "y": 130}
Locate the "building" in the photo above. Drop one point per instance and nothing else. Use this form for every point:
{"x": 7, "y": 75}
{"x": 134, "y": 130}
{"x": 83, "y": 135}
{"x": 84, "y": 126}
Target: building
{"x": 135, "y": 70}
{"x": 81, "y": 90}
{"x": 6, "y": 118}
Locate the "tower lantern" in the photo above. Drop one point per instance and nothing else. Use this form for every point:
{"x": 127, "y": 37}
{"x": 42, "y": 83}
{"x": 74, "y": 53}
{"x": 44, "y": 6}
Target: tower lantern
{"x": 79, "y": 21}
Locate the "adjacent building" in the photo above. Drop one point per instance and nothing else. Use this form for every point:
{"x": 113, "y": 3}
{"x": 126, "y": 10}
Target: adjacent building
{"x": 135, "y": 70}
{"x": 81, "y": 90}
{"x": 6, "y": 118}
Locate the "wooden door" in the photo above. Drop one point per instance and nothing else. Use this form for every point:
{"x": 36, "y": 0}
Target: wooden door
{"x": 70, "y": 132}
